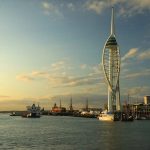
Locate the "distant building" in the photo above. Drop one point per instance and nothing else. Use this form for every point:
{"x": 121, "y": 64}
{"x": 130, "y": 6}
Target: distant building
{"x": 141, "y": 109}
{"x": 146, "y": 100}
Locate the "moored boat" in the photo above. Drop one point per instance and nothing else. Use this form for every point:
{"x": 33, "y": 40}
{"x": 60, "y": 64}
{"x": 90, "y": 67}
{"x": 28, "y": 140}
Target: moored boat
{"x": 14, "y": 114}
{"x": 127, "y": 117}
{"x": 106, "y": 116}
{"x": 33, "y": 112}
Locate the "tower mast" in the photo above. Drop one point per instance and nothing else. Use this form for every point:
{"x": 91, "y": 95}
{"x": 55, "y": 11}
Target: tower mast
{"x": 71, "y": 107}
{"x": 87, "y": 107}
{"x": 60, "y": 103}
{"x": 112, "y": 23}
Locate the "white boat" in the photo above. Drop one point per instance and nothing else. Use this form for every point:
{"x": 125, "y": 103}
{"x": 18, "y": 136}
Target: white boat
{"x": 33, "y": 111}
{"x": 140, "y": 118}
{"x": 106, "y": 116}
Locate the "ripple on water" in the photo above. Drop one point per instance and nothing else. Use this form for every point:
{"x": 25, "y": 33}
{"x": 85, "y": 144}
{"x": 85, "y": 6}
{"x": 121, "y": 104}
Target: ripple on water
{"x": 71, "y": 133}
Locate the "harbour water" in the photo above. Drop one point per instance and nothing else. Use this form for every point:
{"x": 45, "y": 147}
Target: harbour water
{"x": 72, "y": 133}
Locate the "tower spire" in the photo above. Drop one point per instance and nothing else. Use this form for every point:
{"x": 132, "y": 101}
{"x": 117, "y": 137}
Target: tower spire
{"x": 112, "y": 22}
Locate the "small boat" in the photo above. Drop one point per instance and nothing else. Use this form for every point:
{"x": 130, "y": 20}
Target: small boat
{"x": 127, "y": 117}
{"x": 33, "y": 112}
{"x": 13, "y": 114}
{"x": 140, "y": 118}
{"x": 106, "y": 116}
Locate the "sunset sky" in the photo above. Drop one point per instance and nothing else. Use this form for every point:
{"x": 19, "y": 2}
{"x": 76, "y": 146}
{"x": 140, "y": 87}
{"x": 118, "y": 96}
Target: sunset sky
{"x": 51, "y": 50}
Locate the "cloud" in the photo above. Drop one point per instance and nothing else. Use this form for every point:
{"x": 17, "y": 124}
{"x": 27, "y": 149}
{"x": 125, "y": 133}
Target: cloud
{"x": 97, "y": 68}
{"x": 137, "y": 6}
{"x": 144, "y": 90}
{"x": 96, "y": 5}
{"x": 142, "y": 73}
{"x": 136, "y": 54}
{"x": 59, "y": 75}
{"x": 97, "y": 88}
{"x": 4, "y": 96}
{"x": 65, "y": 80}
{"x": 39, "y": 73}
{"x": 25, "y": 77}
{"x": 73, "y": 81}
{"x": 131, "y": 8}
{"x": 55, "y": 74}
{"x": 144, "y": 55}
{"x": 59, "y": 65}
{"x": 93, "y": 78}
{"x": 51, "y": 9}
{"x": 33, "y": 76}
{"x": 80, "y": 81}
{"x": 71, "y": 6}
{"x": 125, "y": 8}
{"x": 131, "y": 53}
{"x": 83, "y": 66}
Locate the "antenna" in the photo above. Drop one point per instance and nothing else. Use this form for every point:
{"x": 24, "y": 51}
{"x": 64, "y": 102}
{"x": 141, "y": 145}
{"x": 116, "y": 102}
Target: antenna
{"x": 87, "y": 104}
{"x": 71, "y": 108}
{"x": 60, "y": 103}
{"x": 112, "y": 22}
{"x": 71, "y": 102}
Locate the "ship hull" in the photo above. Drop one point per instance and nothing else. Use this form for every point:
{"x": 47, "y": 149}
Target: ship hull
{"x": 33, "y": 115}
{"x": 106, "y": 117}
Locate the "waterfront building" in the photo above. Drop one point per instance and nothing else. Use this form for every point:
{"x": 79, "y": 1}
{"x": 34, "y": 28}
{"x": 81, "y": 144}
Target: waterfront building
{"x": 146, "y": 100}
{"x": 142, "y": 109}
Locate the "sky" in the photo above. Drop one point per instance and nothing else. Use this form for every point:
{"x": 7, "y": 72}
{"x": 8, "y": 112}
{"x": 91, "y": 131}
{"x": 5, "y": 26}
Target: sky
{"x": 51, "y": 50}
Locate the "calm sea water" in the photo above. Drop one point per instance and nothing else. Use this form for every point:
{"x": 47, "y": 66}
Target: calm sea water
{"x": 71, "y": 133}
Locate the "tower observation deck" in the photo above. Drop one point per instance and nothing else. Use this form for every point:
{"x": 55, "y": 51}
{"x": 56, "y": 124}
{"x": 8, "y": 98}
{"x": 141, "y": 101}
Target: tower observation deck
{"x": 111, "y": 68}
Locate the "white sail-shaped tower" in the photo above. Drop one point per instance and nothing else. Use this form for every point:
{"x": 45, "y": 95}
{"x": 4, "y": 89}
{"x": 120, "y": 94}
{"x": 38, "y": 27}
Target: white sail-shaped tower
{"x": 111, "y": 69}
